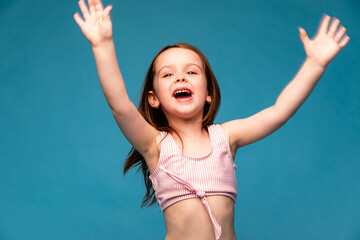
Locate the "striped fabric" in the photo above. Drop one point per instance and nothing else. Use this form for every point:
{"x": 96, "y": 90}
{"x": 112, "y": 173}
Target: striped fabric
{"x": 179, "y": 176}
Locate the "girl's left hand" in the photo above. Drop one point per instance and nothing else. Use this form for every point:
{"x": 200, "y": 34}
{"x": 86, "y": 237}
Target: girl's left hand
{"x": 96, "y": 24}
{"x": 326, "y": 44}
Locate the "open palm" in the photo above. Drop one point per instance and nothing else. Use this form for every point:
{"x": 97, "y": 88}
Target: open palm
{"x": 327, "y": 43}
{"x": 96, "y": 24}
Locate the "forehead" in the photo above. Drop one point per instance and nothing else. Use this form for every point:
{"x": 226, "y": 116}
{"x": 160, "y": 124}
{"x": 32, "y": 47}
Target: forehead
{"x": 177, "y": 56}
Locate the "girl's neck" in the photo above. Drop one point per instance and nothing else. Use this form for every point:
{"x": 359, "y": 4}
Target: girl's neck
{"x": 187, "y": 128}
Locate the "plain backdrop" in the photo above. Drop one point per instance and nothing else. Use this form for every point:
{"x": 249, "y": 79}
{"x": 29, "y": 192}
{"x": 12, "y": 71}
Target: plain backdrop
{"x": 61, "y": 152}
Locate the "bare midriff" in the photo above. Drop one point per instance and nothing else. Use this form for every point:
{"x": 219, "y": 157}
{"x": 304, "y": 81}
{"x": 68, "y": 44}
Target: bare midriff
{"x": 188, "y": 219}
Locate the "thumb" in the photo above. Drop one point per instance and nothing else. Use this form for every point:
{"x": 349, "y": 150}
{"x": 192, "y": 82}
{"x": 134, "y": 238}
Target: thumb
{"x": 303, "y": 35}
{"x": 107, "y": 11}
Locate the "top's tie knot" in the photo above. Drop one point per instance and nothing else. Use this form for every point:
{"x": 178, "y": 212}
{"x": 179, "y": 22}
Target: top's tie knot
{"x": 200, "y": 193}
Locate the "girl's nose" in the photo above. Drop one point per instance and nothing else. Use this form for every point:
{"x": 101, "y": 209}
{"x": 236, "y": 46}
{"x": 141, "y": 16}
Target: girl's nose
{"x": 180, "y": 79}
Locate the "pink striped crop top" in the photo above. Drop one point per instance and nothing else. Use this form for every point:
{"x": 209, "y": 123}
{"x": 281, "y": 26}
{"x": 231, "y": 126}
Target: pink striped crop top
{"x": 178, "y": 176}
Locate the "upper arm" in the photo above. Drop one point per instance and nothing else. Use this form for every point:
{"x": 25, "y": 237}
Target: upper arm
{"x": 142, "y": 136}
{"x": 242, "y": 132}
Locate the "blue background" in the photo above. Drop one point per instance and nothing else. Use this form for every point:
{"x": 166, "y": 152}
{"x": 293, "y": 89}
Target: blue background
{"x": 62, "y": 152}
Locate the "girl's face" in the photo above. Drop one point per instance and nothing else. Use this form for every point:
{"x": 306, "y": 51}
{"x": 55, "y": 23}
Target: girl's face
{"x": 180, "y": 87}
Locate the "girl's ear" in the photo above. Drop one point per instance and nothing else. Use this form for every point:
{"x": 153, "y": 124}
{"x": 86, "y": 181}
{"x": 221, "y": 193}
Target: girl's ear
{"x": 208, "y": 99}
{"x": 152, "y": 99}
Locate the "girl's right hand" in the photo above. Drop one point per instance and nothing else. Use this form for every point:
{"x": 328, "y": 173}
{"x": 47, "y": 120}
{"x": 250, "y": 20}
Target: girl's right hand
{"x": 96, "y": 25}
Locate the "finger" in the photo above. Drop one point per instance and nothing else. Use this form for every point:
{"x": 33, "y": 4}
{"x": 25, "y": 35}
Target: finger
{"x": 98, "y": 5}
{"x": 84, "y": 9}
{"x": 333, "y": 27}
{"x": 78, "y": 19}
{"x": 107, "y": 11}
{"x": 90, "y": 2}
{"x": 303, "y": 35}
{"x": 340, "y": 34}
{"x": 92, "y": 9}
{"x": 324, "y": 24}
{"x": 344, "y": 41}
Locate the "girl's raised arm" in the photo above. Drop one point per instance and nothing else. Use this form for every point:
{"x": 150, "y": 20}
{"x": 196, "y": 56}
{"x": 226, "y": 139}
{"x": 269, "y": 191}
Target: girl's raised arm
{"x": 327, "y": 43}
{"x": 97, "y": 28}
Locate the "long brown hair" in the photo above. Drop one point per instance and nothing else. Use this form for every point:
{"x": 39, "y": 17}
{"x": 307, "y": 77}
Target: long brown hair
{"x": 156, "y": 118}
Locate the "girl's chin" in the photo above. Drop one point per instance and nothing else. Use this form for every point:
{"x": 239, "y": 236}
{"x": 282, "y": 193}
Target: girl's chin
{"x": 188, "y": 113}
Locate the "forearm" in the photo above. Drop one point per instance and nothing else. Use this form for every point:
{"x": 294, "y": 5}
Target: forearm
{"x": 297, "y": 91}
{"x": 110, "y": 76}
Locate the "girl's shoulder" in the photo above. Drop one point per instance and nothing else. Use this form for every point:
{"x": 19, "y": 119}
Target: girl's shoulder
{"x": 226, "y": 129}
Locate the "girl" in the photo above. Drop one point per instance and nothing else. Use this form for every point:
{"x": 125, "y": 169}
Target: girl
{"x": 186, "y": 161}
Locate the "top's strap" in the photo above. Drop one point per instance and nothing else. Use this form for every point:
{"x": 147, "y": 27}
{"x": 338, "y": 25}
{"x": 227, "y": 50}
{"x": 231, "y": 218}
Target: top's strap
{"x": 201, "y": 194}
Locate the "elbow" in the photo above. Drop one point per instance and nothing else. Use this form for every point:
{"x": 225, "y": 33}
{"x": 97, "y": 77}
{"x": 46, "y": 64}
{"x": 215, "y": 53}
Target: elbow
{"x": 280, "y": 117}
{"x": 121, "y": 107}
{"x": 278, "y": 122}
{"x": 282, "y": 122}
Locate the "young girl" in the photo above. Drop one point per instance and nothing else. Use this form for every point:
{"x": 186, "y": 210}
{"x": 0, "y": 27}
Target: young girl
{"x": 186, "y": 161}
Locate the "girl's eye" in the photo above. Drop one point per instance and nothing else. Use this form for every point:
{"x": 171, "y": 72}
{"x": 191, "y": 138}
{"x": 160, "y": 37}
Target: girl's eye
{"x": 191, "y": 72}
{"x": 168, "y": 75}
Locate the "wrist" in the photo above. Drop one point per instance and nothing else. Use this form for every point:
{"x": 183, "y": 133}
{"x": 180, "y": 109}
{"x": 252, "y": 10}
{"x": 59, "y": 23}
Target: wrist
{"x": 315, "y": 64}
{"x": 103, "y": 44}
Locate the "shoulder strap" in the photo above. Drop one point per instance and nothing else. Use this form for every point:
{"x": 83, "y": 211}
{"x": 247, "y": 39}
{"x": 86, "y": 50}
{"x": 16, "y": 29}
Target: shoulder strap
{"x": 216, "y": 133}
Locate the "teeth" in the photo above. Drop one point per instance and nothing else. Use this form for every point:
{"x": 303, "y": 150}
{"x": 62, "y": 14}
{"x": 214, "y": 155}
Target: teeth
{"x": 182, "y": 91}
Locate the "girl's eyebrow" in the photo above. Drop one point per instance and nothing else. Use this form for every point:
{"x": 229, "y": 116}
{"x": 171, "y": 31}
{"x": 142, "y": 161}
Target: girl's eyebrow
{"x": 186, "y": 65}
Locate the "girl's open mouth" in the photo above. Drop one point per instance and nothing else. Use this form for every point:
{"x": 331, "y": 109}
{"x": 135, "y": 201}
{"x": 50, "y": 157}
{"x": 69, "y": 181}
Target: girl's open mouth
{"x": 182, "y": 95}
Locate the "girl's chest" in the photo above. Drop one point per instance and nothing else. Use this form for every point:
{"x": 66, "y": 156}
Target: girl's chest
{"x": 195, "y": 148}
